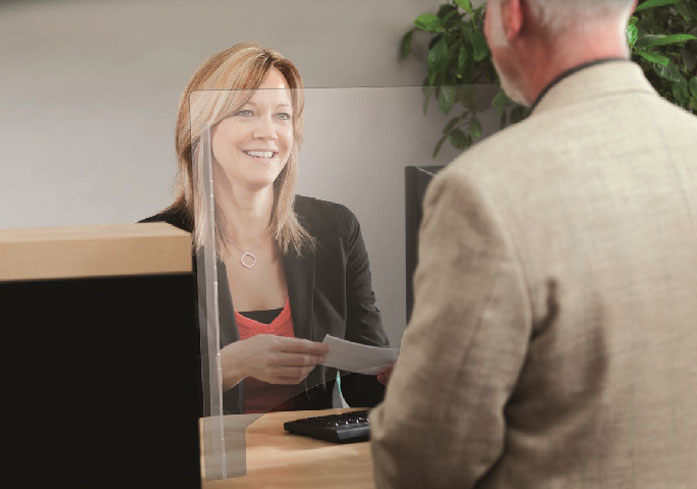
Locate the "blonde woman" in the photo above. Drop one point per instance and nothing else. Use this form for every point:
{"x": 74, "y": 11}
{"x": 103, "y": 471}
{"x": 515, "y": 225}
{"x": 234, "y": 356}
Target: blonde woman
{"x": 294, "y": 268}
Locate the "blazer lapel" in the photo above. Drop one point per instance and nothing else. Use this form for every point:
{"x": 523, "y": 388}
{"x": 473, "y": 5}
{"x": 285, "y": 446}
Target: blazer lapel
{"x": 226, "y": 311}
{"x": 300, "y": 278}
{"x": 226, "y": 315}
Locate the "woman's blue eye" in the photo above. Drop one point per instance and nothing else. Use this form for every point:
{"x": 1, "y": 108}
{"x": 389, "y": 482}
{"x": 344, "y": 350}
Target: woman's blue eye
{"x": 244, "y": 113}
{"x": 284, "y": 116}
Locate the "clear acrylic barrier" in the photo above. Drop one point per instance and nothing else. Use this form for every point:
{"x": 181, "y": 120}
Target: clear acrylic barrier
{"x": 357, "y": 142}
{"x": 221, "y": 459}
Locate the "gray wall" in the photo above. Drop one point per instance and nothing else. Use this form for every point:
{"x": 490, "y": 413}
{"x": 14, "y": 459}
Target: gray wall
{"x": 89, "y": 90}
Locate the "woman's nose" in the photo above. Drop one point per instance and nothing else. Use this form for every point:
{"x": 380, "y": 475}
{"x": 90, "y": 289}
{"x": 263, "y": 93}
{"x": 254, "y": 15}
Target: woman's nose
{"x": 265, "y": 128}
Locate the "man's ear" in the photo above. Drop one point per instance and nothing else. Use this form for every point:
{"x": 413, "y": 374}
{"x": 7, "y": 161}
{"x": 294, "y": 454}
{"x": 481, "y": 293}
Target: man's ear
{"x": 513, "y": 17}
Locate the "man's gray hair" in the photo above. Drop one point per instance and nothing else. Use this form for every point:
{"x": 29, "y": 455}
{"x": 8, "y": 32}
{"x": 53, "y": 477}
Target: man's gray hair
{"x": 562, "y": 14}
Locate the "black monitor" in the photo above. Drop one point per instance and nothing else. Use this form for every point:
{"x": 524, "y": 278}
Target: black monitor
{"x": 416, "y": 179}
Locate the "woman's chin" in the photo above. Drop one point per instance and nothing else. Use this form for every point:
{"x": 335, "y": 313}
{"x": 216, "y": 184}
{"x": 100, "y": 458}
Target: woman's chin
{"x": 259, "y": 184}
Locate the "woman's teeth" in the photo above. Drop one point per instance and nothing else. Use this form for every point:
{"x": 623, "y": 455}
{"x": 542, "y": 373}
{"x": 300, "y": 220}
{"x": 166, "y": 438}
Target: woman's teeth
{"x": 259, "y": 154}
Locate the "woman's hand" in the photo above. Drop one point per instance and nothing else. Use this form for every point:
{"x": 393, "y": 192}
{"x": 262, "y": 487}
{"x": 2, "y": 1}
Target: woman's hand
{"x": 270, "y": 358}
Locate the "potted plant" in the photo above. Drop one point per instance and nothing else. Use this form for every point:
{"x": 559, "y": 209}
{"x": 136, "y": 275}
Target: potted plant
{"x": 662, "y": 35}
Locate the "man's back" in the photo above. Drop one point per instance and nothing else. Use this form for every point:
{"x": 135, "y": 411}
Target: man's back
{"x": 600, "y": 199}
{"x": 577, "y": 363}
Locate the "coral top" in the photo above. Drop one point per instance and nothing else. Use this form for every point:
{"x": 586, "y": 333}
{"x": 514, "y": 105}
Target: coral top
{"x": 262, "y": 397}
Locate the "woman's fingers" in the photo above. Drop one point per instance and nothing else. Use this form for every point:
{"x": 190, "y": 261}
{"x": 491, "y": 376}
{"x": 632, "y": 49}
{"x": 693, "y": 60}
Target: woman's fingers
{"x": 298, "y": 345}
{"x": 285, "y": 359}
{"x": 280, "y": 360}
{"x": 290, "y": 375}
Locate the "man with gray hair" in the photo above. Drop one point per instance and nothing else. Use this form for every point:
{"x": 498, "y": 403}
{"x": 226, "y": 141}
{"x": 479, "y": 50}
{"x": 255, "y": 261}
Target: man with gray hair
{"x": 553, "y": 341}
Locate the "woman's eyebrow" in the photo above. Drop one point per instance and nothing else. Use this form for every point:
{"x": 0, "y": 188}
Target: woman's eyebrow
{"x": 282, "y": 104}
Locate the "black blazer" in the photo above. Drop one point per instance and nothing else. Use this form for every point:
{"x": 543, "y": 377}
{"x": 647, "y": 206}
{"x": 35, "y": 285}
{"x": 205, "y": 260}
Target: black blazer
{"x": 330, "y": 292}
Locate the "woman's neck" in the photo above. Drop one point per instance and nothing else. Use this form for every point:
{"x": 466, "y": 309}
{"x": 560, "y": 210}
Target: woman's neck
{"x": 244, "y": 215}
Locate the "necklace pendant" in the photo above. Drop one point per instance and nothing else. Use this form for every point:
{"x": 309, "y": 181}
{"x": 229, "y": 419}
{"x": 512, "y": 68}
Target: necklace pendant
{"x": 248, "y": 260}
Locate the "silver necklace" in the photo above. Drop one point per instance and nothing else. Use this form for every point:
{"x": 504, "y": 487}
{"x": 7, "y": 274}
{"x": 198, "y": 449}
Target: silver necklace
{"x": 248, "y": 260}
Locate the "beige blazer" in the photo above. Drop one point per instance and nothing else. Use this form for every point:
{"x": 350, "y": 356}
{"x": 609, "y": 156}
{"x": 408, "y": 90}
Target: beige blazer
{"x": 553, "y": 342}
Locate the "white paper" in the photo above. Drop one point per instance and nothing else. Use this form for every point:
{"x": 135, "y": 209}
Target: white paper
{"x": 356, "y": 357}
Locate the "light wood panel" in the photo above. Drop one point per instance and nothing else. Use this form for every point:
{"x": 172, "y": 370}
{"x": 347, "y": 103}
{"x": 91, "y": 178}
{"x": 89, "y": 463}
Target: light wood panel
{"x": 93, "y": 251}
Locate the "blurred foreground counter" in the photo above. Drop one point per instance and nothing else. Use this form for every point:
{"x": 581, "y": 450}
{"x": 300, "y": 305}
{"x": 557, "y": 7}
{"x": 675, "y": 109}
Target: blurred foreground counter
{"x": 102, "y": 380}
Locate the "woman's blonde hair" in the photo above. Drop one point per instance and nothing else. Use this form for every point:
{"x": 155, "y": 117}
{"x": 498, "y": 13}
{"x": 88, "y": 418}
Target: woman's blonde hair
{"x": 219, "y": 87}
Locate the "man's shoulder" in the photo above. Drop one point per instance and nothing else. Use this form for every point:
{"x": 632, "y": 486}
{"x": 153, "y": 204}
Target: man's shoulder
{"x": 551, "y": 141}
{"x": 501, "y": 153}
{"x": 520, "y": 159}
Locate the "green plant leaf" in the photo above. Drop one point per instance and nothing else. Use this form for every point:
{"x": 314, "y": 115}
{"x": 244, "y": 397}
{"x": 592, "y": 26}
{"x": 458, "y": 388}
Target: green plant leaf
{"x": 518, "y": 114}
{"x": 669, "y": 72}
{"x": 651, "y": 40}
{"x": 689, "y": 59}
{"x": 446, "y": 98}
{"x": 444, "y": 10}
{"x": 465, "y": 5}
{"x": 428, "y": 23}
{"x": 681, "y": 91}
{"x": 466, "y": 95}
{"x": 633, "y": 20}
{"x": 475, "y": 128}
{"x": 683, "y": 10}
{"x": 693, "y": 102}
{"x": 654, "y": 57}
{"x": 683, "y": 87}
{"x": 693, "y": 86}
{"x": 439, "y": 145}
{"x": 452, "y": 123}
{"x": 499, "y": 102}
{"x": 693, "y": 10}
{"x": 654, "y": 3}
{"x": 459, "y": 139}
{"x": 434, "y": 41}
{"x": 428, "y": 91}
{"x": 632, "y": 34}
{"x": 450, "y": 19}
{"x": 480, "y": 49}
{"x": 438, "y": 57}
{"x": 448, "y": 15}
{"x": 679, "y": 94}
{"x": 462, "y": 59}
{"x": 405, "y": 47}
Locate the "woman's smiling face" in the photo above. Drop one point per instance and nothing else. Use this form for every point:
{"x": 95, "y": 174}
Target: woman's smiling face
{"x": 252, "y": 146}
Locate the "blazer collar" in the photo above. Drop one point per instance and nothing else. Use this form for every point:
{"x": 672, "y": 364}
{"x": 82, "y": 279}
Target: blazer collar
{"x": 300, "y": 278}
{"x": 592, "y": 82}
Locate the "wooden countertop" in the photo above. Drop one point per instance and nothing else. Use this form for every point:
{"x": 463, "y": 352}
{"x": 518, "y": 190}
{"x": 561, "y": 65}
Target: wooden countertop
{"x": 279, "y": 460}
